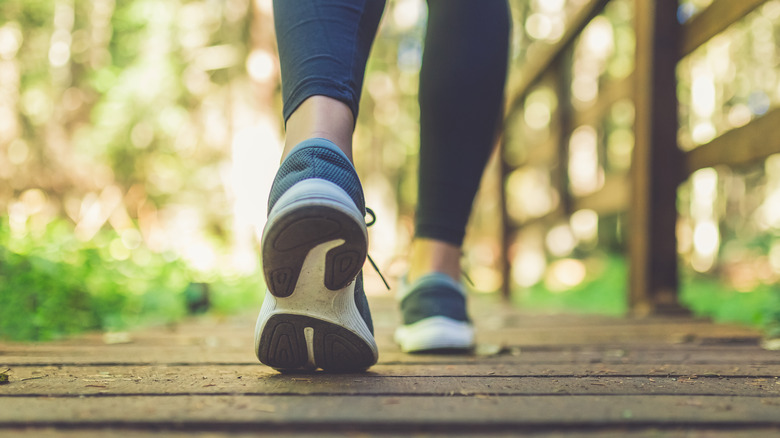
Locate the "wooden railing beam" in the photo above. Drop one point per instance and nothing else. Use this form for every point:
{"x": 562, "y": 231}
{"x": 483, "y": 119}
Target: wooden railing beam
{"x": 713, "y": 20}
{"x": 740, "y": 146}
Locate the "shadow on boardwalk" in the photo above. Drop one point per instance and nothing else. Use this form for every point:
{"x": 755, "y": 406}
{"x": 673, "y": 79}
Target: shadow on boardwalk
{"x": 532, "y": 374}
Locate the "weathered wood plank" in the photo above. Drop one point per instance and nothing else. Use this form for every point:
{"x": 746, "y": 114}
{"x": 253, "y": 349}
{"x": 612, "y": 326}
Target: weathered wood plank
{"x": 261, "y": 381}
{"x": 713, "y": 20}
{"x": 181, "y": 431}
{"x": 465, "y": 370}
{"x": 212, "y": 342}
{"x": 740, "y": 146}
{"x": 388, "y": 412}
{"x": 497, "y": 354}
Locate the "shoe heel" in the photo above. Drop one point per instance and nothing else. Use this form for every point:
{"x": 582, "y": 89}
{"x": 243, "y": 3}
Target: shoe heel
{"x": 289, "y": 239}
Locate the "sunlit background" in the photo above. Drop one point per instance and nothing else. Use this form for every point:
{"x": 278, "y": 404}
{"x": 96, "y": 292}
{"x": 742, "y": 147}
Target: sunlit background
{"x": 138, "y": 140}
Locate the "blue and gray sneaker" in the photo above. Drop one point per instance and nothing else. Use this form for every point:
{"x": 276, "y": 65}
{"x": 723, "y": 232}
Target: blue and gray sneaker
{"x": 434, "y": 315}
{"x": 315, "y": 313}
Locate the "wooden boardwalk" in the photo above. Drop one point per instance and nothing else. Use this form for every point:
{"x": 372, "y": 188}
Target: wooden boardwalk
{"x": 535, "y": 375}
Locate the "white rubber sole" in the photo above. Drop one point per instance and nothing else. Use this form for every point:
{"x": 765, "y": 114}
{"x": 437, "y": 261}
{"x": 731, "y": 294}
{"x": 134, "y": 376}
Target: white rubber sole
{"x": 313, "y": 246}
{"x": 435, "y": 333}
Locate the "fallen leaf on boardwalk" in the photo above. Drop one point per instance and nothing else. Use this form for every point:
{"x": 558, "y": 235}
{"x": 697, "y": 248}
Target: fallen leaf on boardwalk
{"x": 488, "y": 350}
{"x": 771, "y": 344}
{"x": 111, "y": 338}
{"x": 4, "y": 377}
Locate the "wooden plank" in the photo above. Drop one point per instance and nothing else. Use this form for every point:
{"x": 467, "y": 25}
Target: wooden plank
{"x": 466, "y": 370}
{"x": 657, "y": 163}
{"x": 506, "y": 354}
{"x": 740, "y": 146}
{"x": 713, "y": 20}
{"x": 535, "y": 66}
{"x": 649, "y": 338}
{"x": 497, "y": 327}
{"x": 172, "y": 431}
{"x": 394, "y": 412}
{"x": 175, "y": 431}
{"x": 505, "y": 264}
{"x": 615, "y": 334}
{"x": 73, "y": 382}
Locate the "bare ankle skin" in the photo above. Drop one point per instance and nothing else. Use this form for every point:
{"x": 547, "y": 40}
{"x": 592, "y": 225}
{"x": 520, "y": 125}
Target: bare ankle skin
{"x": 322, "y": 117}
{"x": 429, "y": 255}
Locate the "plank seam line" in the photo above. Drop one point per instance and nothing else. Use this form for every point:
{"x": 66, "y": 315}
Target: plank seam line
{"x": 379, "y": 394}
{"x": 595, "y": 375}
{"x": 583, "y": 361}
{"x": 422, "y": 426}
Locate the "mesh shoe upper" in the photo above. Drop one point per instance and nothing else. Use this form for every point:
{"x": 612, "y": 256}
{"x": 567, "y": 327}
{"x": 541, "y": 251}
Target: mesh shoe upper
{"x": 317, "y": 158}
{"x": 434, "y": 294}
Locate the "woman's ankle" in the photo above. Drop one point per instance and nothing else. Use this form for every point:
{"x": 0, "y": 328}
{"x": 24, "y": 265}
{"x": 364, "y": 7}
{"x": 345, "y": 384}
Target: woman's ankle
{"x": 323, "y": 117}
{"x": 430, "y": 255}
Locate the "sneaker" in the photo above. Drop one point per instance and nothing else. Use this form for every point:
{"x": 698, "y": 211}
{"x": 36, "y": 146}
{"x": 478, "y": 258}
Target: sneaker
{"x": 315, "y": 313}
{"x": 434, "y": 316}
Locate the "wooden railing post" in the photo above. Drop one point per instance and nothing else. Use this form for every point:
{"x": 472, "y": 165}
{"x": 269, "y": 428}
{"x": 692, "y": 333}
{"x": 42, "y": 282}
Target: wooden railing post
{"x": 657, "y": 161}
{"x": 506, "y": 226}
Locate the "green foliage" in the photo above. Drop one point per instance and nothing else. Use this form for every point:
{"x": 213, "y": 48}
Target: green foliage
{"x": 709, "y": 297}
{"x": 55, "y": 285}
{"x": 603, "y": 292}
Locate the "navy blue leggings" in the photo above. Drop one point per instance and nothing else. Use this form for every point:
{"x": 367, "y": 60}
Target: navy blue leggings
{"x": 323, "y": 48}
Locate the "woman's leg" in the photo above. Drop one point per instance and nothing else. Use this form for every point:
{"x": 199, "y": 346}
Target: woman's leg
{"x": 323, "y": 48}
{"x": 315, "y": 313}
{"x": 461, "y": 95}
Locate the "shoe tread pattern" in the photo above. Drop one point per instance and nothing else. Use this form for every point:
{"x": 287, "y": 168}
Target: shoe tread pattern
{"x": 289, "y": 240}
{"x": 336, "y": 349}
